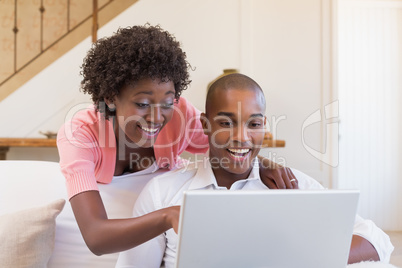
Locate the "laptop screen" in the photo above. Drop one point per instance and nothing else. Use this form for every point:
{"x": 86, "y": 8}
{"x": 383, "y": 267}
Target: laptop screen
{"x": 281, "y": 228}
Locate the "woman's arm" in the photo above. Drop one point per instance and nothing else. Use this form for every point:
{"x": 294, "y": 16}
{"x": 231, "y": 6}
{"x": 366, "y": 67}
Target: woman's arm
{"x": 103, "y": 235}
{"x": 362, "y": 250}
{"x": 275, "y": 176}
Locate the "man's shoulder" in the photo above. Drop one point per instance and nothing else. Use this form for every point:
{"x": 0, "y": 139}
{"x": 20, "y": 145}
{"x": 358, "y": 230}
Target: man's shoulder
{"x": 305, "y": 181}
{"x": 166, "y": 188}
{"x": 176, "y": 176}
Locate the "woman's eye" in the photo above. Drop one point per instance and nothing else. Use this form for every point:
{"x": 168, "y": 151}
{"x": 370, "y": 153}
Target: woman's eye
{"x": 167, "y": 105}
{"x": 142, "y": 105}
{"x": 226, "y": 124}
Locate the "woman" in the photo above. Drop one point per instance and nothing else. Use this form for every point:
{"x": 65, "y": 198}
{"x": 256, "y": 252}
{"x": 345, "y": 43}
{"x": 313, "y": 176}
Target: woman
{"x": 138, "y": 122}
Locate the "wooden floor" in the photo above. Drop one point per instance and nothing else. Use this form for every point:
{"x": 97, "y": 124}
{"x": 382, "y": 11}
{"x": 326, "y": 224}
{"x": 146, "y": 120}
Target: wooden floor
{"x": 396, "y": 239}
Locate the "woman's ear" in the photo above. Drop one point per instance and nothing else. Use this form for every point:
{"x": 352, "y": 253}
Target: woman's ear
{"x": 107, "y": 101}
{"x": 206, "y": 126}
{"x": 110, "y": 105}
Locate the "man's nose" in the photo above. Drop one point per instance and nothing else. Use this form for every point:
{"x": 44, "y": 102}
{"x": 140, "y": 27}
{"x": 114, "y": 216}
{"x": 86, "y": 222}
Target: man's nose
{"x": 241, "y": 134}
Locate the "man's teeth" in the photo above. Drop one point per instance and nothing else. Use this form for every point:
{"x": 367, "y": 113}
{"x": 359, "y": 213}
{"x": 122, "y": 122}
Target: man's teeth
{"x": 151, "y": 130}
{"x": 239, "y": 151}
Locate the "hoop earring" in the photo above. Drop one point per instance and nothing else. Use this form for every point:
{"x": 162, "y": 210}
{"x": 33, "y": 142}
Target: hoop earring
{"x": 111, "y": 107}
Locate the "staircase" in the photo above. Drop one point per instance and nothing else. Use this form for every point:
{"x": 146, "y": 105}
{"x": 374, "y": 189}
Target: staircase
{"x": 33, "y": 34}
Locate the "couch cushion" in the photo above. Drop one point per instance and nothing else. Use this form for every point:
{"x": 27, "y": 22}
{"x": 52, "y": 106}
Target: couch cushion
{"x": 27, "y": 236}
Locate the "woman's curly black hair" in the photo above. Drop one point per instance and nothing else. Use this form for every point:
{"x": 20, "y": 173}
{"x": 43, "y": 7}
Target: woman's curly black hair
{"x": 131, "y": 54}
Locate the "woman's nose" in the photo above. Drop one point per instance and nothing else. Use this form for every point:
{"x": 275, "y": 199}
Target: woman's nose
{"x": 156, "y": 115}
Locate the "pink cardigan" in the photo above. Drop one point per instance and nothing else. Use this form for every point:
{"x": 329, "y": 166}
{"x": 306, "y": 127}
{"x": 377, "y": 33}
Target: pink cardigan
{"x": 87, "y": 145}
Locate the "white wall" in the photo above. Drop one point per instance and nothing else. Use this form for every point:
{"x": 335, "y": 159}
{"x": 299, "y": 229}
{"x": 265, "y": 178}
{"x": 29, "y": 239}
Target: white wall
{"x": 282, "y": 44}
{"x": 286, "y": 56}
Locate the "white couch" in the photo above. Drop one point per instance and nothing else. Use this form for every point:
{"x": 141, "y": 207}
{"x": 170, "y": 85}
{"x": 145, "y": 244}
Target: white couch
{"x": 35, "y": 184}
{"x": 29, "y": 225}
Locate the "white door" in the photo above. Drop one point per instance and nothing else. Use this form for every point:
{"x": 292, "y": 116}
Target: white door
{"x": 369, "y": 88}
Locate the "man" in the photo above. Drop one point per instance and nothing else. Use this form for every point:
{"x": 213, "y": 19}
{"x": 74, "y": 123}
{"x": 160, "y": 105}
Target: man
{"x": 234, "y": 121}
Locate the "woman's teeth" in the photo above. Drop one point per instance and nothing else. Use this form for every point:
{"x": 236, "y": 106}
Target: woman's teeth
{"x": 150, "y": 130}
{"x": 238, "y": 152}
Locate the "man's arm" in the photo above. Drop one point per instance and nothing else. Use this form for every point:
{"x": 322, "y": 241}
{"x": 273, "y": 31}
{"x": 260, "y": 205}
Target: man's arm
{"x": 275, "y": 176}
{"x": 369, "y": 242}
{"x": 362, "y": 250}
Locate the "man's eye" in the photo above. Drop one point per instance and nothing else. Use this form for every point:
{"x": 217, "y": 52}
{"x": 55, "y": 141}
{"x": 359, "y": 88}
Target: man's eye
{"x": 255, "y": 124}
{"x": 142, "y": 105}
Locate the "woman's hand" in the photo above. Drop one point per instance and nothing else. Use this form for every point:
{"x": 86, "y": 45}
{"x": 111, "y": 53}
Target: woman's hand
{"x": 275, "y": 176}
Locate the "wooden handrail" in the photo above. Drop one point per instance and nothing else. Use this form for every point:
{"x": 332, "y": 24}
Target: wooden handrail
{"x": 94, "y": 21}
{"x": 42, "y": 48}
{"x": 73, "y": 25}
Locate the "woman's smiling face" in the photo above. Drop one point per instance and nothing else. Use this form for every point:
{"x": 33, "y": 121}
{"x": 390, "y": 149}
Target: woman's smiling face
{"x": 143, "y": 109}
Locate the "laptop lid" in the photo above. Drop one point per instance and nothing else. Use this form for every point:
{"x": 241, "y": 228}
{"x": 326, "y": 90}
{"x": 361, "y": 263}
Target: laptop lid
{"x": 281, "y": 228}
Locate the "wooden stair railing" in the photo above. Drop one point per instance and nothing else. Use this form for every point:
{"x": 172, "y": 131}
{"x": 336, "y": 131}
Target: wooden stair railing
{"x": 33, "y": 34}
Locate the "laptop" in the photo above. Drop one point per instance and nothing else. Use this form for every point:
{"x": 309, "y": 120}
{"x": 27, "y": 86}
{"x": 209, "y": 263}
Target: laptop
{"x": 280, "y": 228}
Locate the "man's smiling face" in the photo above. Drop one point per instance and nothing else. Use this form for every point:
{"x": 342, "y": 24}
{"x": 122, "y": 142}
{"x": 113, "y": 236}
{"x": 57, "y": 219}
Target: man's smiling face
{"x": 235, "y": 124}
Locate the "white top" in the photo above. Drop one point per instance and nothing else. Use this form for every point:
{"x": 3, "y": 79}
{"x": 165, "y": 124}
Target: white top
{"x": 167, "y": 190}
